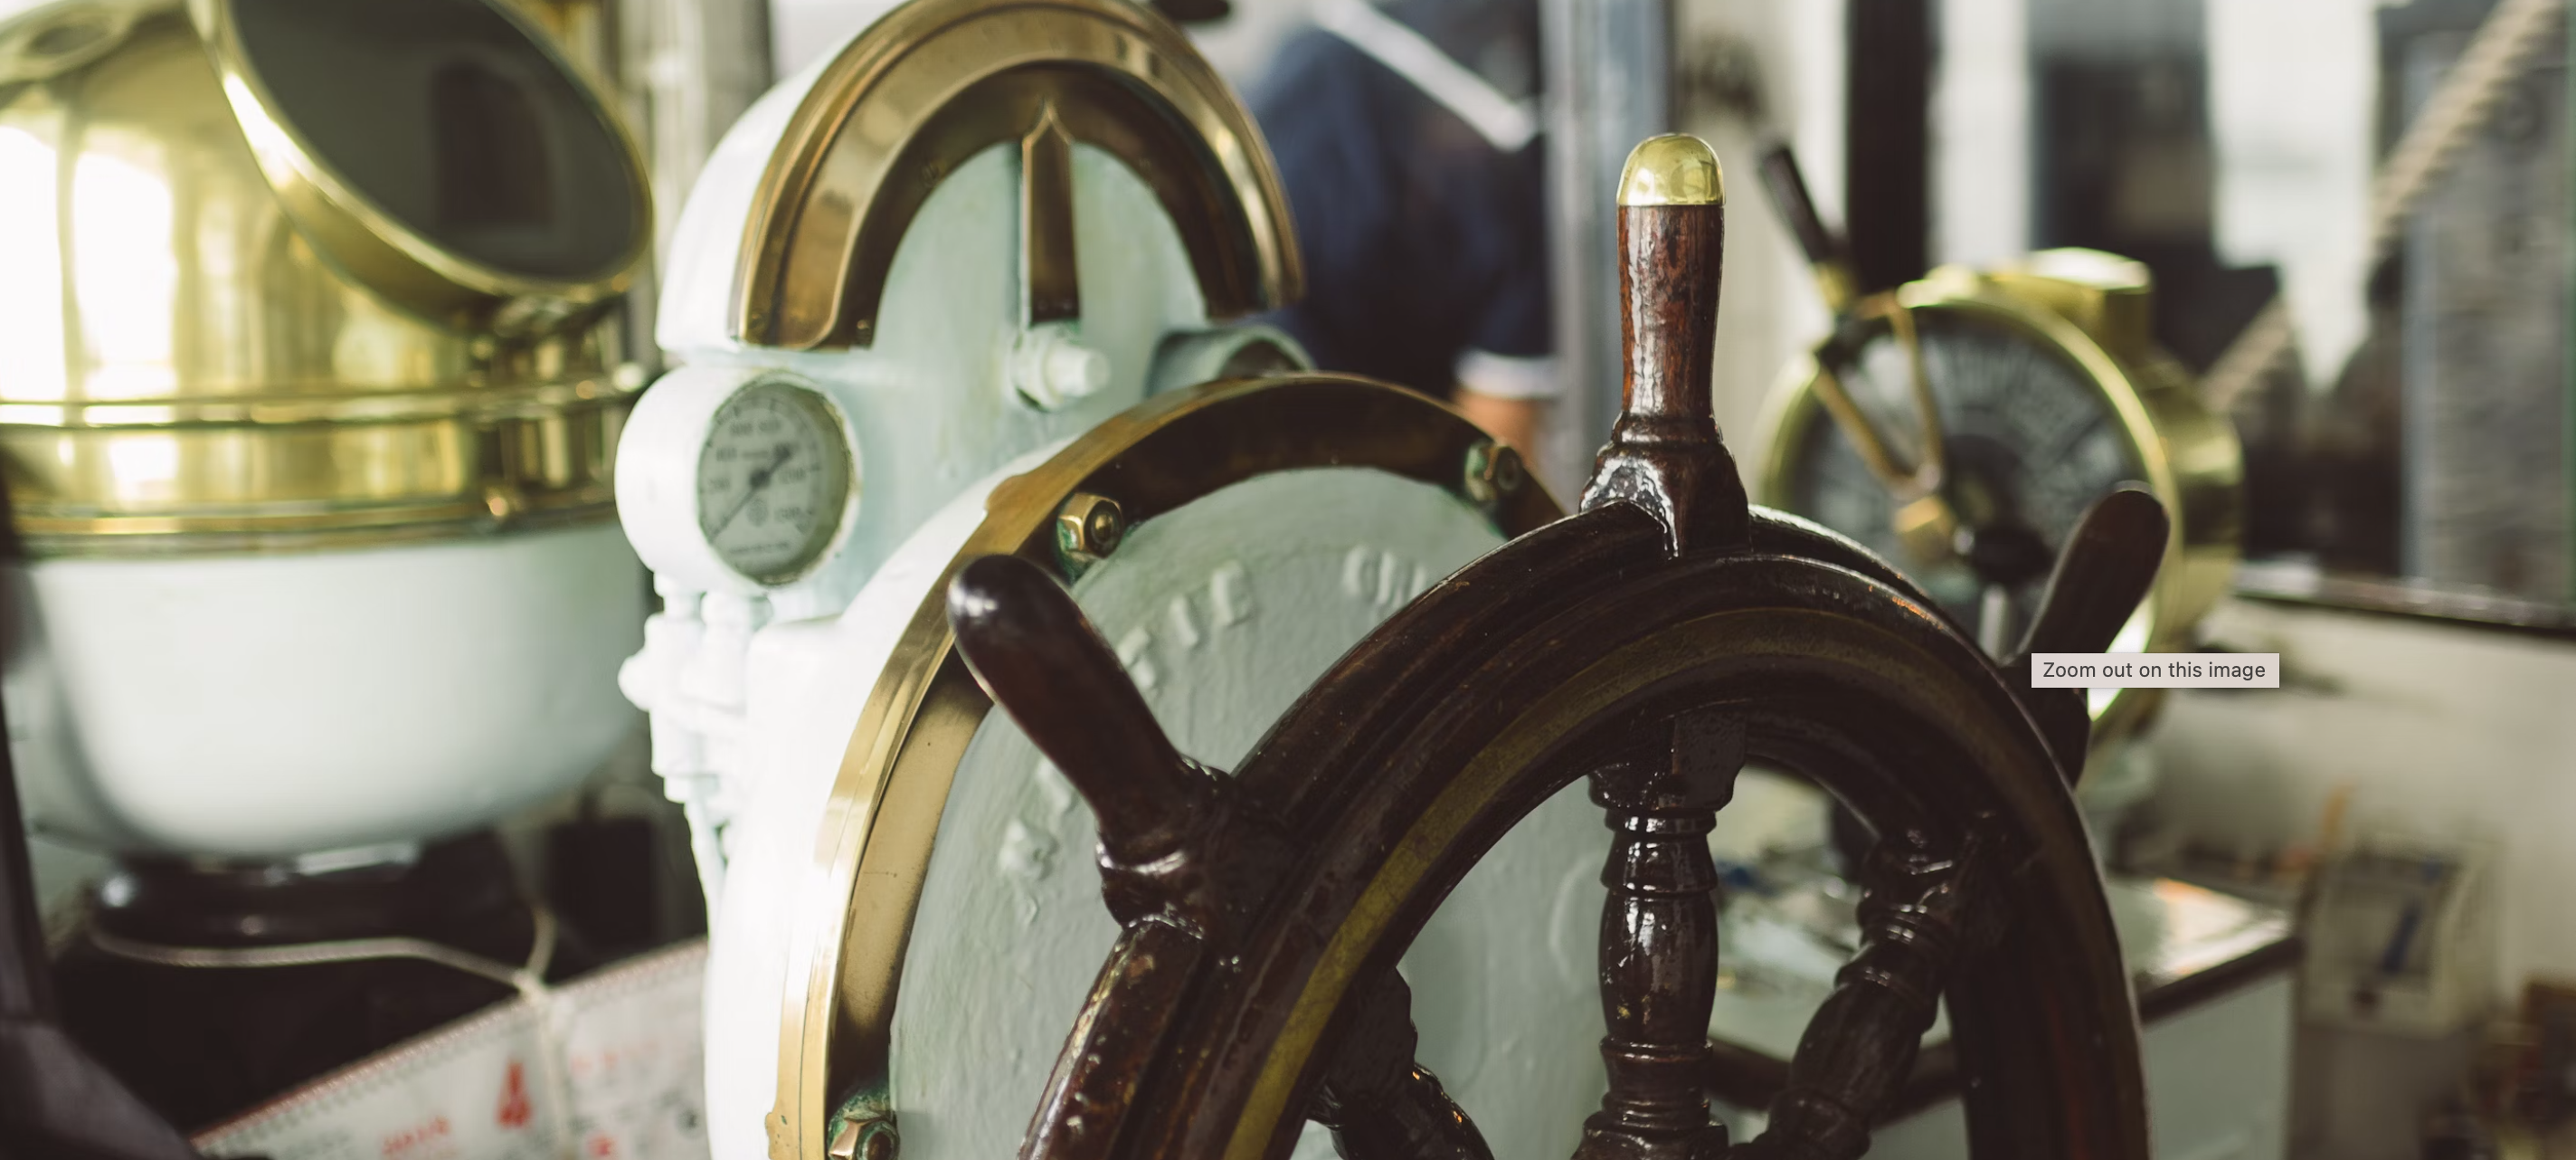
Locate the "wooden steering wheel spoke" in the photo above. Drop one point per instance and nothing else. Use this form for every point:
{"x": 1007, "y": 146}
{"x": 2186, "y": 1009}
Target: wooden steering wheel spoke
{"x": 1379, "y": 1102}
{"x": 1659, "y": 940}
{"x": 1175, "y": 839}
{"x": 1042, "y": 661}
{"x": 1924, "y": 914}
{"x": 1664, "y": 452}
{"x": 1114, "y": 1043}
{"x": 1253, "y": 987}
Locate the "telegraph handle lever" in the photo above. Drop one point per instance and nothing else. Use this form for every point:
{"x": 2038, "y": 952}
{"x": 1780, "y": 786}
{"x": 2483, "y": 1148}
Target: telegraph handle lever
{"x": 2105, "y": 569}
{"x": 1826, "y": 254}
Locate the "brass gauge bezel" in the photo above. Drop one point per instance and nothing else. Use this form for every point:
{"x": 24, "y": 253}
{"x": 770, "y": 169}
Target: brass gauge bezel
{"x": 2190, "y": 456}
{"x": 384, "y": 253}
{"x": 847, "y": 943}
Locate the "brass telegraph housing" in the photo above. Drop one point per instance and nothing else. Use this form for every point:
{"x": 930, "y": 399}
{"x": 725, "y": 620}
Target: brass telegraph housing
{"x": 285, "y": 274}
{"x": 2095, "y": 311}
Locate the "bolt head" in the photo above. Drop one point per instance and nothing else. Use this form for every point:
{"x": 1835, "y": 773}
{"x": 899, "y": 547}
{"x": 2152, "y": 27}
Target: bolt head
{"x": 1074, "y": 371}
{"x": 1051, "y": 369}
{"x": 1088, "y": 528}
{"x": 1102, "y": 528}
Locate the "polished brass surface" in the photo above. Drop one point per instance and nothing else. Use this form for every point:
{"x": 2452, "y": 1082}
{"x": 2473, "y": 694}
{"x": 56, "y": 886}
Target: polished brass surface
{"x": 391, "y": 252}
{"x": 582, "y": 31}
{"x": 2095, "y": 308}
{"x": 934, "y": 82}
{"x": 1046, "y": 222}
{"x": 1674, "y": 169}
{"x": 187, "y": 372}
{"x": 873, "y": 840}
{"x": 2108, "y": 297}
{"x": 1924, "y": 519}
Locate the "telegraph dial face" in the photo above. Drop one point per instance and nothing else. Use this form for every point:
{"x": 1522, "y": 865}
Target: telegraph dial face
{"x": 2030, "y": 442}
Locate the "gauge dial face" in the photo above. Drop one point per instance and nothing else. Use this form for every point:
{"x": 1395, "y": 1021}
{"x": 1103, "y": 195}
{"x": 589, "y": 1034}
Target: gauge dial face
{"x": 2029, "y": 441}
{"x": 773, "y": 481}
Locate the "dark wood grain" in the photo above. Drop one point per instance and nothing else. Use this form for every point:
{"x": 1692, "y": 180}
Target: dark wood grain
{"x": 1379, "y": 1102}
{"x": 1659, "y": 941}
{"x": 1042, "y": 661}
{"x": 1665, "y": 454}
{"x": 1365, "y": 758}
{"x": 1651, "y": 643}
{"x": 1113, "y": 1045}
{"x": 1922, "y": 912}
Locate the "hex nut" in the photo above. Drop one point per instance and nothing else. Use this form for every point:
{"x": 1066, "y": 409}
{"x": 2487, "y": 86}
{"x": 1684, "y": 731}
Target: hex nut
{"x": 1088, "y": 528}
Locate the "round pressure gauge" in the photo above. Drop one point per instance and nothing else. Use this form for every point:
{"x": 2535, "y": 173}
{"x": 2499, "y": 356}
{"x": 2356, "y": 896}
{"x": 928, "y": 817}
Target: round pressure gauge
{"x": 734, "y": 479}
{"x": 773, "y": 481}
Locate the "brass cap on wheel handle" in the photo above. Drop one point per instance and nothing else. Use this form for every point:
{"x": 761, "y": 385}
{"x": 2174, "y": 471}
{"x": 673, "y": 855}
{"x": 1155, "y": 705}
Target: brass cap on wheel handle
{"x": 1664, "y": 452}
{"x": 1674, "y": 169}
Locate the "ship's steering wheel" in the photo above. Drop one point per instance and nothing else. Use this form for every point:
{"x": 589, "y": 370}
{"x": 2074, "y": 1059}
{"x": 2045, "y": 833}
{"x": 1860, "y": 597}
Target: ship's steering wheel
{"x": 1651, "y": 643}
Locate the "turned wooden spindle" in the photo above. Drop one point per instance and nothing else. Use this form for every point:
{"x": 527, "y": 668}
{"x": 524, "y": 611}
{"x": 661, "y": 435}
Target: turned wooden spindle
{"x": 1659, "y": 942}
{"x": 1664, "y": 452}
{"x": 2105, "y": 569}
{"x": 1040, "y": 660}
{"x": 1922, "y": 911}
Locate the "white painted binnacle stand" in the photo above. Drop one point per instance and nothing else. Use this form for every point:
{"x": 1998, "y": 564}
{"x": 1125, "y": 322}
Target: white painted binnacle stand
{"x": 954, "y": 385}
{"x": 1223, "y": 611}
{"x": 272, "y": 706}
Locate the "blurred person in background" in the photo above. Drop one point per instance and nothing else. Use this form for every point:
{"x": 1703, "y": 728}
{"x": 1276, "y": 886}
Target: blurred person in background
{"x": 1407, "y": 139}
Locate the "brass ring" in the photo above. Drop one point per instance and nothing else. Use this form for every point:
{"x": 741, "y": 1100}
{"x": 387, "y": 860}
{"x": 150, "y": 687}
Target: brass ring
{"x": 885, "y": 803}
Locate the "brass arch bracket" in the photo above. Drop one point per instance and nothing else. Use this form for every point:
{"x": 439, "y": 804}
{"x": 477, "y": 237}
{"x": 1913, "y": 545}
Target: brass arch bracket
{"x": 935, "y": 82}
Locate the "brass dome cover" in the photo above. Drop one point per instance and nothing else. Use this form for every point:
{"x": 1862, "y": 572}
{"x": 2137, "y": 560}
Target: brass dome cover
{"x": 256, "y": 308}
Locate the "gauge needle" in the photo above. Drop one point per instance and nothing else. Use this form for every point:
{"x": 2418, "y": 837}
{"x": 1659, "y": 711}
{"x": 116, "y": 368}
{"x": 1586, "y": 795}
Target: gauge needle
{"x": 759, "y": 479}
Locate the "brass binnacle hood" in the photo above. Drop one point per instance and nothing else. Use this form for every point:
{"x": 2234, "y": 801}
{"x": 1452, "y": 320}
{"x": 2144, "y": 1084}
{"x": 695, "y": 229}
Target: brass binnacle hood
{"x": 278, "y": 278}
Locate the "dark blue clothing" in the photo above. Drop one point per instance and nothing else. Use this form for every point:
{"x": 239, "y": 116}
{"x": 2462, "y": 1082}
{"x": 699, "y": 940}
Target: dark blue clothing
{"x": 1421, "y": 239}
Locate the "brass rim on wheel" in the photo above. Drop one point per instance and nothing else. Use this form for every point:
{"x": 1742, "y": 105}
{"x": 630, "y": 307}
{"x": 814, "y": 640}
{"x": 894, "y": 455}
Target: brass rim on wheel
{"x": 846, "y": 955}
